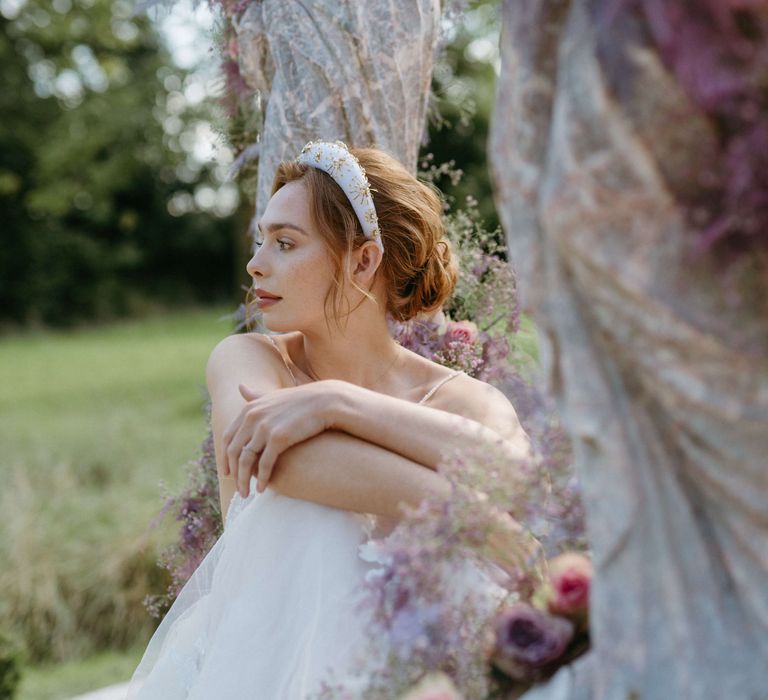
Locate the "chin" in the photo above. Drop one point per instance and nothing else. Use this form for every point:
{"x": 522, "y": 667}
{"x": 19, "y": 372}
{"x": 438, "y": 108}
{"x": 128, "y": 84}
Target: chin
{"x": 275, "y": 324}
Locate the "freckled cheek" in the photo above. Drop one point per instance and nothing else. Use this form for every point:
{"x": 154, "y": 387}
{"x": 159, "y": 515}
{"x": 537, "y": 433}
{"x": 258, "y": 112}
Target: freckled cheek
{"x": 308, "y": 281}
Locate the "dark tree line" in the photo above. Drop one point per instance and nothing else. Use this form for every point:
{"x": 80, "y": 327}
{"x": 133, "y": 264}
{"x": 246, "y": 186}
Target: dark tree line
{"x": 86, "y": 172}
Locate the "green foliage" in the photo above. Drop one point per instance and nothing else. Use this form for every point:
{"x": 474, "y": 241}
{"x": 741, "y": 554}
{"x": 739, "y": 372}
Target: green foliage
{"x": 486, "y": 291}
{"x": 463, "y": 87}
{"x": 87, "y": 170}
{"x": 10, "y": 667}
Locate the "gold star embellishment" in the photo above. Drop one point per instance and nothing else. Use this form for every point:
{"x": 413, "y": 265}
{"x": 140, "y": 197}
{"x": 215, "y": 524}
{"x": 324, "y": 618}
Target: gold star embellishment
{"x": 370, "y": 216}
{"x": 336, "y": 164}
{"x": 361, "y": 190}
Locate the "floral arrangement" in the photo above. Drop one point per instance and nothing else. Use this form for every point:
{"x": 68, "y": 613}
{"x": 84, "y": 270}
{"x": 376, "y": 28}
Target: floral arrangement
{"x": 533, "y": 639}
{"x": 529, "y": 641}
{"x": 464, "y": 597}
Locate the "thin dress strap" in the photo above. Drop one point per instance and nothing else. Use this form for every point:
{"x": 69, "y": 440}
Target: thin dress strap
{"x": 283, "y": 358}
{"x": 428, "y": 395}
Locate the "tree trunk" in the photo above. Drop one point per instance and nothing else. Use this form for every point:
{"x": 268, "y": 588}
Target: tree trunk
{"x": 347, "y": 70}
{"x": 658, "y": 357}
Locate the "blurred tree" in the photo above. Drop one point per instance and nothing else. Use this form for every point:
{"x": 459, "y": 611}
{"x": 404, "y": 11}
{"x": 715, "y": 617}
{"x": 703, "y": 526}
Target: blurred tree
{"x": 103, "y": 207}
{"x": 463, "y": 86}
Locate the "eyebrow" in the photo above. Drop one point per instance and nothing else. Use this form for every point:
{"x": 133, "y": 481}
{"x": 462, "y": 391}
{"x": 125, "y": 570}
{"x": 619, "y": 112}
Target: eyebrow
{"x": 275, "y": 227}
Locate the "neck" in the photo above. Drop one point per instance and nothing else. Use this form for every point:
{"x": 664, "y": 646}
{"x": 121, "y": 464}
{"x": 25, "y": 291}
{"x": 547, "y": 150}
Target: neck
{"x": 359, "y": 355}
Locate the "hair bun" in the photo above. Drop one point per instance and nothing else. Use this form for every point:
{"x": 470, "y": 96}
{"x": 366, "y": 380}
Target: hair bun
{"x": 432, "y": 284}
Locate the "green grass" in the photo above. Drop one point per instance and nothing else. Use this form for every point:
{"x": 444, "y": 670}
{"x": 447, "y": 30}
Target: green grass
{"x": 64, "y": 680}
{"x": 91, "y": 423}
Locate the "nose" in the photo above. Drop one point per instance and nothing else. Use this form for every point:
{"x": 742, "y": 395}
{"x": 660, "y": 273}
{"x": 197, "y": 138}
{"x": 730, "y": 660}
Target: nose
{"x": 250, "y": 267}
{"x": 255, "y": 266}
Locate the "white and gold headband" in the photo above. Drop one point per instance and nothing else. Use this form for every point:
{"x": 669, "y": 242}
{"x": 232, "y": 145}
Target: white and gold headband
{"x": 334, "y": 158}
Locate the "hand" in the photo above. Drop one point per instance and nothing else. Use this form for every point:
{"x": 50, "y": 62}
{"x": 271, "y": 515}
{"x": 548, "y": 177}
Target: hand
{"x": 271, "y": 423}
{"x": 513, "y": 547}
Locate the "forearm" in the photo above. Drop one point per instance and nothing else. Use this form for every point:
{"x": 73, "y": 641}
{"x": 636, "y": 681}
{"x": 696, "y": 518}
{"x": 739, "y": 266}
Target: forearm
{"x": 342, "y": 471}
{"x": 338, "y": 470}
{"x": 419, "y": 433}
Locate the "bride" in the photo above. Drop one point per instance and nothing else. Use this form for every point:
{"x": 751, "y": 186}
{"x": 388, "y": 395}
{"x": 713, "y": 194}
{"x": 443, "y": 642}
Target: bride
{"x": 321, "y": 431}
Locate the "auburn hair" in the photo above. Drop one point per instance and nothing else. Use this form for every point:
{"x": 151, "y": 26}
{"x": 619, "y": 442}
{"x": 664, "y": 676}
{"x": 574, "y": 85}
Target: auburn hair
{"x": 418, "y": 262}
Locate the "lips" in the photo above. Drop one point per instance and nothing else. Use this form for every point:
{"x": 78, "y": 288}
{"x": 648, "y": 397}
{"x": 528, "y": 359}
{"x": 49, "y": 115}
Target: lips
{"x": 262, "y": 294}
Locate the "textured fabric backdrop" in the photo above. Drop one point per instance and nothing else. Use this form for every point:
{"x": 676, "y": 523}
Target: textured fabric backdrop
{"x": 658, "y": 358}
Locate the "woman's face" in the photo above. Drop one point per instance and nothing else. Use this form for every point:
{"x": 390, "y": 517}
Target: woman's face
{"x": 291, "y": 262}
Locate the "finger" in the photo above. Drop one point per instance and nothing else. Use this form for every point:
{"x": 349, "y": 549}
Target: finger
{"x": 233, "y": 455}
{"x": 224, "y": 456}
{"x": 240, "y": 460}
{"x": 225, "y": 463}
{"x": 240, "y": 432}
{"x": 246, "y": 393}
{"x": 230, "y": 434}
{"x": 244, "y": 478}
{"x": 245, "y": 464}
{"x": 265, "y": 466}
{"x": 227, "y": 440}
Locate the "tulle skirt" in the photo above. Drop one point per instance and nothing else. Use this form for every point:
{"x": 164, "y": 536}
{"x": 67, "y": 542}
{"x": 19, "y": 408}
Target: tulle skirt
{"x": 276, "y": 607}
{"x": 270, "y": 611}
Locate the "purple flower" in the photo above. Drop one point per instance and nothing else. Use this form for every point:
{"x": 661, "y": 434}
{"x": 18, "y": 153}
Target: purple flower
{"x": 529, "y": 641}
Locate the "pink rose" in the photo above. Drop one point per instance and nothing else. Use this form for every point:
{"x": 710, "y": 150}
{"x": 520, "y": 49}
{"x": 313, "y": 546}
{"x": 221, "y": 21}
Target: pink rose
{"x": 570, "y": 575}
{"x": 434, "y": 686}
{"x": 461, "y": 332}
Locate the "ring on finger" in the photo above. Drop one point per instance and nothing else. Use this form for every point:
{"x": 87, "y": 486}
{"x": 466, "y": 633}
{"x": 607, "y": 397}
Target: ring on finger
{"x": 248, "y": 448}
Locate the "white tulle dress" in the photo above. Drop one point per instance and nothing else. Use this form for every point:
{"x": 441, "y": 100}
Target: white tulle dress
{"x": 272, "y": 608}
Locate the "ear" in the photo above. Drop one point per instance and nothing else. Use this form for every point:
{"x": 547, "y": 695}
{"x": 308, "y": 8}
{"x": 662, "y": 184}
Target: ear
{"x": 365, "y": 261}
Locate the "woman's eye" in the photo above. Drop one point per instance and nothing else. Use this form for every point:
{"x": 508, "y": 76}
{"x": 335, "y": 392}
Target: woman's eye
{"x": 282, "y": 245}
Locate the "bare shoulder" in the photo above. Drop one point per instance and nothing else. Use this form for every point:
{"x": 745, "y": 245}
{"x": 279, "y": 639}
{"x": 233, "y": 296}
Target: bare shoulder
{"x": 250, "y": 358}
{"x": 481, "y": 402}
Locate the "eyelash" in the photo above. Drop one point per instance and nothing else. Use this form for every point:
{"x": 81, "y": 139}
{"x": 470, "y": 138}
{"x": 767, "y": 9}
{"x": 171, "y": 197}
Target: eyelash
{"x": 288, "y": 245}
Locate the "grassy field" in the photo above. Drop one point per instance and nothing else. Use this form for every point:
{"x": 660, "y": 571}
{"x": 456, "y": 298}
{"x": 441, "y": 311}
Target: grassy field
{"x": 60, "y": 680}
{"x": 91, "y": 423}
